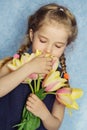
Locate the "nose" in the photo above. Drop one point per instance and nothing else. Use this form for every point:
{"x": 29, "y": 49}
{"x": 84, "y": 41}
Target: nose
{"x": 48, "y": 49}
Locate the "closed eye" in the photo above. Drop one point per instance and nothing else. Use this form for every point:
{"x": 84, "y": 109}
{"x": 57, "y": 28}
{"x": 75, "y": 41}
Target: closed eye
{"x": 42, "y": 41}
{"x": 58, "y": 46}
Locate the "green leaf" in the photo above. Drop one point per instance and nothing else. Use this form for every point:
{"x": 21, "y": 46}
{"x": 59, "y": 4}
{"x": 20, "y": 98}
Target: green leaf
{"x": 31, "y": 115}
{"x": 24, "y": 119}
{"x": 32, "y": 123}
{"x": 24, "y": 112}
{"x": 20, "y": 126}
{"x": 41, "y": 94}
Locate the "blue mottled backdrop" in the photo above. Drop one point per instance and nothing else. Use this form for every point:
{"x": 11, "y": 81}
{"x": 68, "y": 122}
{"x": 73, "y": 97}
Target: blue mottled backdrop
{"x": 13, "y": 25}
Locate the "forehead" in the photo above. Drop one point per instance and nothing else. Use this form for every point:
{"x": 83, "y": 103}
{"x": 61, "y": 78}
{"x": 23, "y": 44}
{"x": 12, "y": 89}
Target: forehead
{"x": 54, "y": 31}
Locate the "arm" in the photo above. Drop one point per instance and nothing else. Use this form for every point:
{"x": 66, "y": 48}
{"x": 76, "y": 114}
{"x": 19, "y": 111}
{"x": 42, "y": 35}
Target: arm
{"x": 11, "y": 79}
{"x": 51, "y": 121}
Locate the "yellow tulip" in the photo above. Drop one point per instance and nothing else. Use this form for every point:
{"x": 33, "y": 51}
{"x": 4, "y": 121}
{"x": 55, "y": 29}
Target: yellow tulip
{"x": 67, "y": 97}
{"x": 18, "y": 62}
{"x": 53, "y": 81}
{"x": 76, "y": 93}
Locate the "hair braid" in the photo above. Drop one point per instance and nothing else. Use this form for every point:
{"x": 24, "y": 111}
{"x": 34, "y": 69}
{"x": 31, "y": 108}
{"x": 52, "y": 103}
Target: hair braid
{"x": 25, "y": 46}
{"x": 62, "y": 63}
{"x": 63, "y": 66}
{"x": 4, "y": 61}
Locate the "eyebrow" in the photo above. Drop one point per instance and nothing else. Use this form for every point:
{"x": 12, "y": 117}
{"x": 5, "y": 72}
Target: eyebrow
{"x": 43, "y": 36}
{"x": 58, "y": 42}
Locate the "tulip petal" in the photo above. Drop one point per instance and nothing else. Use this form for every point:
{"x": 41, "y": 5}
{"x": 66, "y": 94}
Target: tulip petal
{"x": 65, "y": 99}
{"x": 75, "y": 105}
{"x": 50, "y": 86}
{"x": 65, "y": 90}
{"x": 33, "y": 76}
{"x": 55, "y": 63}
{"x": 53, "y": 81}
{"x": 11, "y": 67}
{"x": 76, "y": 93}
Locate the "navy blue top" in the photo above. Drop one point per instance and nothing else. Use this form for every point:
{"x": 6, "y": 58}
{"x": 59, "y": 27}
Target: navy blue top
{"x": 12, "y": 104}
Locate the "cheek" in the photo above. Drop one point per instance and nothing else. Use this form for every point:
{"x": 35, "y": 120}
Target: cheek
{"x": 58, "y": 52}
{"x": 36, "y": 45}
{"x": 34, "y": 48}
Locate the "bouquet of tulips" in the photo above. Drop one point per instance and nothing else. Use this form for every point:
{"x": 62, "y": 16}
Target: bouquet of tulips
{"x": 51, "y": 83}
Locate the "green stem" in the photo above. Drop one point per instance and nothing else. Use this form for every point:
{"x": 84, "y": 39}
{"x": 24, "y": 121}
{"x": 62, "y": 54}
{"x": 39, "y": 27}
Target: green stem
{"x": 31, "y": 87}
{"x": 35, "y": 86}
{"x": 49, "y": 93}
{"x": 38, "y": 83}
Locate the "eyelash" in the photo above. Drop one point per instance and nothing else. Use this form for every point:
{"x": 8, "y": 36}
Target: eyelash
{"x": 42, "y": 41}
{"x": 45, "y": 42}
{"x": 58, "y": 46}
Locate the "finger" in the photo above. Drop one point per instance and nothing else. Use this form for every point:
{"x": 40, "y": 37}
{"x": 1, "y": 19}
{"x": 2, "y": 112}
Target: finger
{"x": 47, "y": 72}
{"x": 34, "y": 97}
{"x": 42, "y": 55}
{"x": 49, "y": 69}
{"x": 29, "y": 108}
{"x": 49, "y": 59}
{"x": 49, "y": 64}
{"x": 30, "y": 99}
{"x": 28, "y": 104}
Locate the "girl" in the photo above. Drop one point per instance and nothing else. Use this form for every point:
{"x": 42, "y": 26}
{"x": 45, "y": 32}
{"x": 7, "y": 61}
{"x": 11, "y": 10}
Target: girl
{"x": 50, "y": 29}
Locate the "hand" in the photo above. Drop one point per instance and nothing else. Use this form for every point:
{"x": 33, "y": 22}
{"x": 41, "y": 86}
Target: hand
{"x": 41, "y": 64}
{"x": 36, "y": 106}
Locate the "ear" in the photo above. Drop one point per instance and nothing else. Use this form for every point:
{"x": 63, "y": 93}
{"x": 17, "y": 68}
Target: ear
{"x": 31, "y": 34}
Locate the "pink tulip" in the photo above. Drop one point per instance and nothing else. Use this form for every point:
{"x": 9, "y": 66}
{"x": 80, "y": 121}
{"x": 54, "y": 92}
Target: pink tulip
{"x": 33, "y": 76}
{"x": 64, "y": 90}
{"x": 16, "y": 56}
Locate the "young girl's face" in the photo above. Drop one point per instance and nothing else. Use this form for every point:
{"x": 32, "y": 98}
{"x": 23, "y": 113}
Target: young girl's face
{"x": 50, "y": 38}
